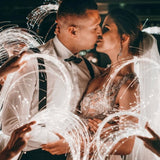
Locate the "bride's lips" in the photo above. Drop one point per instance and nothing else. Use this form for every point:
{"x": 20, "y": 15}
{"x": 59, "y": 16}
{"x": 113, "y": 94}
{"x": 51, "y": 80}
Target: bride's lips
{"x": 99, "y": 41}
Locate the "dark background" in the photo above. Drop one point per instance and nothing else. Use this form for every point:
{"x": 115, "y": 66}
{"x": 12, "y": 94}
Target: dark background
{"x": 17, "y": 10}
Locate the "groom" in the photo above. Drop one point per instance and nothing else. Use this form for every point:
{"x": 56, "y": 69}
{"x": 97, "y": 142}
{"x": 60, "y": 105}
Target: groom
{"x": 77, "y": 29}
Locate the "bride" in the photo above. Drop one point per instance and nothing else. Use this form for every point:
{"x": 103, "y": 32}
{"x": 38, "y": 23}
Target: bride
{"x": 122, "y": 40}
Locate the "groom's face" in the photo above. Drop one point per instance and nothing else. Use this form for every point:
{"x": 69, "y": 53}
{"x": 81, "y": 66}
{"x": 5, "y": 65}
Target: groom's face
{"x": 88, "y": 29}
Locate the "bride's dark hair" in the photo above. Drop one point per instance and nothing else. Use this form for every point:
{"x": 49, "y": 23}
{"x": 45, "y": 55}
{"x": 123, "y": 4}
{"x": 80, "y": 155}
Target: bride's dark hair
{"x": 128, "y": 23}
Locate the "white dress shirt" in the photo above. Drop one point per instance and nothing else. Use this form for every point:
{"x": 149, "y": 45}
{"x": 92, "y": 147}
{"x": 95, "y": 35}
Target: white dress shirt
{"x": 22, "y": 101}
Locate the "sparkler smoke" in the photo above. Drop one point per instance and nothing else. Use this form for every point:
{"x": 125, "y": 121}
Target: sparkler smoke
{"x": 14, "y": 40}
{"x": 68, "y": 124}
{"x": 128, "y": 128}
{"x": 59, "y": 118}
{"x": 19, "y": 35}
{"x": 55, "y": 69}
{"x": 36, "y": 20}
{"x": 7, "y": 24}
{"x": 38, "y": 14}
{"x": 71, "y": 126}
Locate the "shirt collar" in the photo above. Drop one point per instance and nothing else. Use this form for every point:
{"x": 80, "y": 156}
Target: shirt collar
{"x": 62, "y": 51}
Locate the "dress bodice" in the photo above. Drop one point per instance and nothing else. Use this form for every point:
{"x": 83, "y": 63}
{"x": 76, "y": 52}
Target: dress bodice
{"x": 102, "y": 102}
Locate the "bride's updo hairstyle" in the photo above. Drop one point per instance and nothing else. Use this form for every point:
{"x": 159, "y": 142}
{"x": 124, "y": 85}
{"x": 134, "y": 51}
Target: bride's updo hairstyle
{"x": 129, "y": 24}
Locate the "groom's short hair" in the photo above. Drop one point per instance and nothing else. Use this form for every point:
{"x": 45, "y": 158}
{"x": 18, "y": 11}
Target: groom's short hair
{"x": 75, "y": 7}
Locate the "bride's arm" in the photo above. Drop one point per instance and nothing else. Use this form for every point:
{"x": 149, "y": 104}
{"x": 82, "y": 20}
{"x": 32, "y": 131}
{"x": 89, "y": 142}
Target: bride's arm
{"x": 128, "y": 97}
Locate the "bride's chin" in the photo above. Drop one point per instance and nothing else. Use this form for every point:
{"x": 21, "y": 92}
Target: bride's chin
{"x": 99, "y": 48}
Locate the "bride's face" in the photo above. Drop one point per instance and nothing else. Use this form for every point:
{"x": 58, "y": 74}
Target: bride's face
{"x": 111, "y": 43}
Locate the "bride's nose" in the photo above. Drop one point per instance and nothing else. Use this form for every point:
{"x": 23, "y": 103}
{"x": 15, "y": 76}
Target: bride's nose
{"x": 99, "y": 31}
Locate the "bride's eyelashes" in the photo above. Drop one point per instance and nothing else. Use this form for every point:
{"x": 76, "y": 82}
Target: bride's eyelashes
{"x": 105, "y": 29}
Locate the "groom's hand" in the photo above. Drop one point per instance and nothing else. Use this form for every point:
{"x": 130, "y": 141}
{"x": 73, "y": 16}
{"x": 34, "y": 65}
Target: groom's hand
{"x": 57, "y": 148}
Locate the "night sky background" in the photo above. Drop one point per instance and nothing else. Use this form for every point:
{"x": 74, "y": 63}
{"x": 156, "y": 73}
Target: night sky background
{"x": 17, "y": 10}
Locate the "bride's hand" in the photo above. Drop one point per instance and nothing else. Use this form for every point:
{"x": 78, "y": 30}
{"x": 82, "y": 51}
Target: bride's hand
{"x": 93, "y": 124}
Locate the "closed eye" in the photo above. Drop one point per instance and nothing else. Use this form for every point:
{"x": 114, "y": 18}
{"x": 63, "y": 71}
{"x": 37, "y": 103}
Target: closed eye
{"x": 105, "y": 29}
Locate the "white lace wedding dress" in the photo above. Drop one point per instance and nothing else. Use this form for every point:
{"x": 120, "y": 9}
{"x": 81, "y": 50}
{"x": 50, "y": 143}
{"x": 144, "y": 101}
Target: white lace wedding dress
{"x": 93, "y": 104}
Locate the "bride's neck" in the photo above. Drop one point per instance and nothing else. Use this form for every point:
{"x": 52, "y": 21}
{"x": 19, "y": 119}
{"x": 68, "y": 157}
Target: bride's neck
{"x": 115, "y": 68}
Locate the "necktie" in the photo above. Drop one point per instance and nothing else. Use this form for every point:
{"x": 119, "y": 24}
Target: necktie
{"x": 73, "y": 59}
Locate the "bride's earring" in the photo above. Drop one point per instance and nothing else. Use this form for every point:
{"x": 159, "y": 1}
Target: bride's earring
{"x": 120, "y": 52}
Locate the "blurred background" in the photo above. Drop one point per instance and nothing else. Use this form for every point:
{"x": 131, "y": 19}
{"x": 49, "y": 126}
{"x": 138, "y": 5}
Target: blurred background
{"x": 17, "y": 11}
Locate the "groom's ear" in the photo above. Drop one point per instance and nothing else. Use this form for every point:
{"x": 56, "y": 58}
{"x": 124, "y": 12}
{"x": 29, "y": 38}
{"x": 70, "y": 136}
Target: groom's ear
{"x": 57, "y": 29}
{"x": 125, "y": 39}
{"x": 73, "y": 30}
